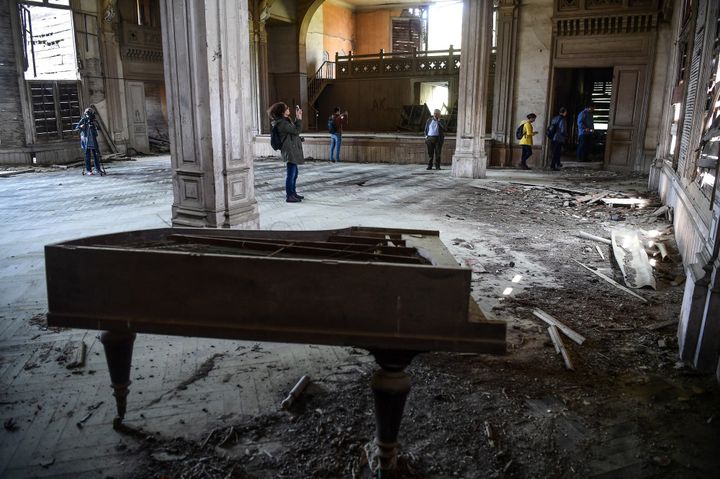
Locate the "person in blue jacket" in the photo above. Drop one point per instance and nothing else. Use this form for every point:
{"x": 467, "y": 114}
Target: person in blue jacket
{"x": 586, "y": 127}
{"x": 558, "y": 135}
{"x": 88, "y": 140}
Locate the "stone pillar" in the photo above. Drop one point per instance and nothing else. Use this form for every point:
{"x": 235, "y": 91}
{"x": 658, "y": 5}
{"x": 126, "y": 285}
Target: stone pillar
{"x": 115, "y": 105}
{"x": 206, "y": 49}
{"x": 262, "y": 73}
{"x": 470, "y": 160}
{"x": 502, "y": 127}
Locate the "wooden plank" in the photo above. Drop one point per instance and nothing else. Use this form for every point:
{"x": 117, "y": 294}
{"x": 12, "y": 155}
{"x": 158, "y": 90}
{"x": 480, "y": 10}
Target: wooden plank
{"x": 560, "y": 347}
{"x": 585, "y": 235}
{"x": 611, "y": 281}
{"x": 600, "y": 252}
{"x": 577, "y": 337}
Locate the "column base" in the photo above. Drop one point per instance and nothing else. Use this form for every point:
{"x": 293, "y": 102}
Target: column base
{"x": 469, "y": 166}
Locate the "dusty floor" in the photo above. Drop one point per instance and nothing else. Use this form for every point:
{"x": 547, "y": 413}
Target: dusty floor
{"x": 627, "y": 410}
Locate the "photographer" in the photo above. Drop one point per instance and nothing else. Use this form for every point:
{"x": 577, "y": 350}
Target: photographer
{"x": 291, "y": 150}
{"x": 336, "y": 122}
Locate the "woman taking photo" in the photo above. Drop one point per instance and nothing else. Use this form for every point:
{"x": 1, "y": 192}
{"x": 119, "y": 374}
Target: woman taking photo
{"x": 291, "y": 149}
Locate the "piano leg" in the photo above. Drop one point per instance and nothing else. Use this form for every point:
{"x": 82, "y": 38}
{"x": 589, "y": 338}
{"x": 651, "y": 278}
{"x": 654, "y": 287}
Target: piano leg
{"x": 390, "y": 385}
{"x": 118, "y": 352}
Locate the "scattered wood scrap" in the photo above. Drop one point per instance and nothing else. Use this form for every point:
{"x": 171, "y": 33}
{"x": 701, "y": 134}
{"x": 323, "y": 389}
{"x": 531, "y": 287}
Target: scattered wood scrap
{"x": 600, "y": 252}
{"x": 585, "y": 235}
{"x": 578, "y": 338}
{"x": 560, "y": 347}
{"x": 624, "y": 201}
{"x": 481, "y": 186}
{"x": 611, "y": 281}
{"x": 663, "y": 250}
{"x": 78, "y": 350}
{"x": 662, "y": 324}
{"x": 632, "y": 259}
{"x": 590, "y": 199}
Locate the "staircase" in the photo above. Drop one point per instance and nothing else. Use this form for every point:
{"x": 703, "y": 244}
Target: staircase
{"x": 323, "y": 77}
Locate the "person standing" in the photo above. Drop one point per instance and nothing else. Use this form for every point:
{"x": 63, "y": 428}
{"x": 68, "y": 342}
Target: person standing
{"x": 434, "y": 138}
{"x": 88, "y": 141}
{"x": 558, "y": 134}
{"x": 336, "y": 122}
{"x": 291, "y": 149}
{"x": 586, "y": 127}
{"x": 526, "y": 141}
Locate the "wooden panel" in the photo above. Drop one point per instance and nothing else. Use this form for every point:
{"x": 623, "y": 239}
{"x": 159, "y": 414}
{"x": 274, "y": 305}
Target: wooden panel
{"x": 602, "y": 50}
{"x": 626, "y": 104}
{"x": 137, "y": 117}
{"x": 282, "y": 299}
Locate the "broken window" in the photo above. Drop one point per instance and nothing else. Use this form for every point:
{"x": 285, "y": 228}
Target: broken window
{"x": 50, "y": 67}
{"x": 706, "y": 170}
{"x": 409, "y": 31}
{"x": 55, "y": 109}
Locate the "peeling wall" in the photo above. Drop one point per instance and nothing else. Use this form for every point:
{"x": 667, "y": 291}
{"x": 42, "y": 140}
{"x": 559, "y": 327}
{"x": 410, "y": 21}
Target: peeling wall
{"x": 373, "y": 31}
{"x": 12, "y": 133}
{"x": 314, "y": 46}
{"x": 533, "y": 63}
{"x": 338, "y": 29}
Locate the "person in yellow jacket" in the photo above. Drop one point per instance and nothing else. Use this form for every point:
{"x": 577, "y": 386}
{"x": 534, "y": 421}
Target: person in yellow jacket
{"x": 527, "y": 140}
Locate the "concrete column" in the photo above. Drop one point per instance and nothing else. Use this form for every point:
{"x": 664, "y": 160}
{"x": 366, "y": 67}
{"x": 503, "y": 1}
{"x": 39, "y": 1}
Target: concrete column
{"x": 206, "y": 49}
{"x": 115, "y": 104}
{"x": 262, "y": 74}
{"x": 502, "y": 127}
{"x": 470, "y": 160}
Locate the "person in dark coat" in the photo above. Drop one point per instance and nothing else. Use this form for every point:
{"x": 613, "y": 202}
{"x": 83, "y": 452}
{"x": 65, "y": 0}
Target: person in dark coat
{"x": 434, "y": 138}
{"x": 558, "y": 128}
{"x": 88, "y": 140}
{"x": 291, "y": 150}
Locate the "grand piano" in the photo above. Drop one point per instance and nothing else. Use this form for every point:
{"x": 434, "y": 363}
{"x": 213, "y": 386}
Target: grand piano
{"x": 393, "y": 292}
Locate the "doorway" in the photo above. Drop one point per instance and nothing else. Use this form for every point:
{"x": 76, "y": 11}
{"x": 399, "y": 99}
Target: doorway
{"x": 573, "y": 89}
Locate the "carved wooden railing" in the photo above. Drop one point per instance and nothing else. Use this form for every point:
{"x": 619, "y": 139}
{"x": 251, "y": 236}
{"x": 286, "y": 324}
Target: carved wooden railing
{"x": 415, "y": 63}
{"x": 607, "y": 24}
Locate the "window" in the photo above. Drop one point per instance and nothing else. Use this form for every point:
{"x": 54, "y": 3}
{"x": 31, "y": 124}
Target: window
{"x": 55, "y": 109}
{"x": 409, "y": 32}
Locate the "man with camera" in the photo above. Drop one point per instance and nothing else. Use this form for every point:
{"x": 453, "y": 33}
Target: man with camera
{"x": 336, "y": 122}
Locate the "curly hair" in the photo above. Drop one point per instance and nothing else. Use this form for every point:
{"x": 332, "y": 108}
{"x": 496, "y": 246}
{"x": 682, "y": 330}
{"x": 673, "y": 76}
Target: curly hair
{"x": 276, "y": 111}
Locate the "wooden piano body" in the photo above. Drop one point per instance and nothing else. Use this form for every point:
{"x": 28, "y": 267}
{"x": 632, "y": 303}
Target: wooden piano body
{"x": 393, "y": 292}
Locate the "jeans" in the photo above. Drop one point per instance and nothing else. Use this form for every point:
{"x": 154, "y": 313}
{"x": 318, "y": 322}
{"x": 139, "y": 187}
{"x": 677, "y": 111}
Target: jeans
{"x": 87, "y": 159}
{"x": 556, "y": 151}
{"x": 291, "y": 179}
{"x": 584, "y": 142}
{"x": 335, "y": 141}
{"x": 434, "y": 148}
{"x": 526, "y": 153}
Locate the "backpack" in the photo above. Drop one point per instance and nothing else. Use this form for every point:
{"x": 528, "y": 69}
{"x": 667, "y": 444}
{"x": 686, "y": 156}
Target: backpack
{"x": 520, "y": 132}
{"x": 276, "y": 141}
{"x": 331, "y": 125}
{"x": 552, "y": 129}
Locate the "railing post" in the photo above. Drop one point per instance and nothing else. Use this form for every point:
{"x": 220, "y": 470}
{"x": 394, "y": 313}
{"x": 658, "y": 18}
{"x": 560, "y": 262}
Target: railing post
{"x": 382, "y": 61}
{"x": 451, "y": 61}
{"x": 336, "y": 61}
{"x": 414, "y": 59}
{"x": 350, "y": 63}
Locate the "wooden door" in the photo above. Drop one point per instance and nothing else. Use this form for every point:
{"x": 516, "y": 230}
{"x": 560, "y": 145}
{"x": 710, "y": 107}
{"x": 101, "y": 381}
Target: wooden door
{"x": 624, "y": 139}
{"x": 137, "y": 117}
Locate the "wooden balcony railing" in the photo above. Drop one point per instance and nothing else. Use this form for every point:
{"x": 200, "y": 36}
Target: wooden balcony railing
{"x": 415, "y": 63}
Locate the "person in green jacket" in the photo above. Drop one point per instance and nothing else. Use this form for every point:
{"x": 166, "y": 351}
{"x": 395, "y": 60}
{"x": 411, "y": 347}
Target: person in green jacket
{"x": 291, "y": 150}
{"x": 527, "y": 140}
